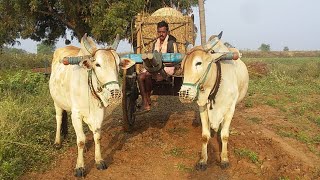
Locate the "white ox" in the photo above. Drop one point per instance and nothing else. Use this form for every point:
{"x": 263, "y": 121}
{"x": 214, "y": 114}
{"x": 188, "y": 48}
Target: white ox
{"x": 85, "y": 81}
{"x": 216, "y": 100}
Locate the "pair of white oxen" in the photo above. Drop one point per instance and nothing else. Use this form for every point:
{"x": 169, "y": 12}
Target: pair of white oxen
{"x": 85, "y": 81}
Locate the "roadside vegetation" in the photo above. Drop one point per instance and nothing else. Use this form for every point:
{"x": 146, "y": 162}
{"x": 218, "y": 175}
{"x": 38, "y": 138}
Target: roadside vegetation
{"x": 27, "y": 121}
{"x": 291, "y": 86}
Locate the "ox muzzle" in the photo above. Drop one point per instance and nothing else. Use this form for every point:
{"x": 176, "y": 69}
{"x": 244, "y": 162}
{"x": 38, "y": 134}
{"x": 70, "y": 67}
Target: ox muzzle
{"x": 188, "y": 93}
{"x": 110, "y": 94}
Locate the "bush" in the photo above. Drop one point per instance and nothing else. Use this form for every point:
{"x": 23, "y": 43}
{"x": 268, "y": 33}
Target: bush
{"x": 27, "y": 123}
{"x": 23, "y": 61}
{"x": 23, "y": 81}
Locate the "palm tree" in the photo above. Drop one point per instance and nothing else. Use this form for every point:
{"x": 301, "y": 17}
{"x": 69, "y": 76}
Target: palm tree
{"x": 202, "y": 22}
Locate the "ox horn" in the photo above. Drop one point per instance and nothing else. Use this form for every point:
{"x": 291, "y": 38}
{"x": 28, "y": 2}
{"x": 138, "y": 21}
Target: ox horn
{"x": 87, "y": 44}
{"x": 220, "y": 35}
{"x": 116, "y": 42}
{"x": 212, "y": 41}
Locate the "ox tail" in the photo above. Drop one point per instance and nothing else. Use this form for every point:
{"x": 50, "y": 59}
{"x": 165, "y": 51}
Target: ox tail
{"x": 64, "y": 124}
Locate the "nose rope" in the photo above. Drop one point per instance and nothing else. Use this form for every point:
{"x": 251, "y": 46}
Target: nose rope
{"x": 215, "y": 88}
{"x": 93, "y": 91}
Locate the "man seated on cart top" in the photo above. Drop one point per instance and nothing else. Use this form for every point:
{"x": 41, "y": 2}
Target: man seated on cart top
{"x": 165, "y": 43}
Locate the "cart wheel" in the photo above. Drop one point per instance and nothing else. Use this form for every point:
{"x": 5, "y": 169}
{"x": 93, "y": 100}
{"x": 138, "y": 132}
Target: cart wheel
{"x": 130, "y": 96}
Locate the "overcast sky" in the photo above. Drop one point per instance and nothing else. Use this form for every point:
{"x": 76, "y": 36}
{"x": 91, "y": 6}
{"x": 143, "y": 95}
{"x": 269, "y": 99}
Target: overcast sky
{"x": 246, "y": 24}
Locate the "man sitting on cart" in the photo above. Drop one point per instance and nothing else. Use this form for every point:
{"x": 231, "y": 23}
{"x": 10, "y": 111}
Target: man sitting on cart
{"x": 165, "y": 43}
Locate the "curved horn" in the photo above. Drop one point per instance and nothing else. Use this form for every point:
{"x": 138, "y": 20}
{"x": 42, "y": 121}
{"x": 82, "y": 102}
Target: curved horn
{"x": 86, "y": 44}
{"x": 116, "y": 42}
{"x": 220, "y": 34}
{"x": 212, "y": 41}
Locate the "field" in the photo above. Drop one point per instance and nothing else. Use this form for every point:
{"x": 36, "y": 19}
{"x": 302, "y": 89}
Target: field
{"x": 275, "y": 132}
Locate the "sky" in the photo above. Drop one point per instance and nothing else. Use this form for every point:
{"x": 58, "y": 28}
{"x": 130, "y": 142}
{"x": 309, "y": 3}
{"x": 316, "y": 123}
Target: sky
{"x": 246, "y": 24}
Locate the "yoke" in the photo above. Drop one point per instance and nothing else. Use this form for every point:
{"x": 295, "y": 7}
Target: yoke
{"x": 166, "y": 57}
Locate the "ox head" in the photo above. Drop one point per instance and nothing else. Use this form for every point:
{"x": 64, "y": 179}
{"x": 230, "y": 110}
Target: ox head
{"x": 103, "y": 69}
{"x": 197, "y": 64}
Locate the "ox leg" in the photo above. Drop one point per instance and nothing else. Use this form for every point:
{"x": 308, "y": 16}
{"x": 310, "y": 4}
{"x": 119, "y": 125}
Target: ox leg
{"x": 57, "y": 141}
{"x": 202, "y": 164}
{"x": 101, "y": 165}
{"x": 224, "y": 138}
{"x": 78, "y": 127}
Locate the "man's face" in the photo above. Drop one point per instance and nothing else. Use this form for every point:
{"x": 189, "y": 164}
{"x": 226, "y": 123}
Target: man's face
{"x": 162, "y": 33}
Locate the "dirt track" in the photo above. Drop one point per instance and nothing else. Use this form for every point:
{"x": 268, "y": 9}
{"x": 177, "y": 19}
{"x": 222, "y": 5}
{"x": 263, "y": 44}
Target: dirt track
{"x": 166, "y": 145}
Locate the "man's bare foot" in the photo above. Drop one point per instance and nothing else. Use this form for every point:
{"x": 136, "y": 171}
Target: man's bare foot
{"x": 142, "y": 110}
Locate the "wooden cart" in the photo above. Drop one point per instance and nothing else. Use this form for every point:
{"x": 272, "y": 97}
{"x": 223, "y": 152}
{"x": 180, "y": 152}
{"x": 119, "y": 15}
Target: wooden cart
{"x": 183, "y": 29}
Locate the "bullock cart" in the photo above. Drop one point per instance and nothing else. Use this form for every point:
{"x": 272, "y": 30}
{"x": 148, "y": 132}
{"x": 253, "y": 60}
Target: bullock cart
{"x": 200, "y": 80}
{"x": 143, "y": 37}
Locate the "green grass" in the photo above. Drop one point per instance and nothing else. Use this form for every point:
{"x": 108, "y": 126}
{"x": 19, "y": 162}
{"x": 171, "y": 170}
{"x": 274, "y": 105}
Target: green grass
{"x": 176, "y": 152}
{"x": 249, "y": 154}
{"x": 292, "y": 86}
{"x": 27, "y": 123}
{"x": 284, "y": 178}
{"x": 310, "y": 139}
{"x": 255, "y": 120}
{"x": 184, "y": 168}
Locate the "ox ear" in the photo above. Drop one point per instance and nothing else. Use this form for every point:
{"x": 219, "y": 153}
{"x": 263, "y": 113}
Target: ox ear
{"x": 86, "y": 63}
{"x": 87, "y": 45}
{"x": 126, "y": 63}
{"x": 188, "y": 46}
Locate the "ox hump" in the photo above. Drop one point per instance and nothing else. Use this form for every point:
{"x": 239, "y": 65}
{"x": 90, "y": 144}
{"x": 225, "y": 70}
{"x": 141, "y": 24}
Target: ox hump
{"x": 67, "y": 51}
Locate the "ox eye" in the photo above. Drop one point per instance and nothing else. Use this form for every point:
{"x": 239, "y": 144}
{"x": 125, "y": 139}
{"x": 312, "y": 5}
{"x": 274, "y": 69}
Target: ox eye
{"x": 98, "y": 65}
{"x": 212, "y": 52}
{"x": 198, "y": 63}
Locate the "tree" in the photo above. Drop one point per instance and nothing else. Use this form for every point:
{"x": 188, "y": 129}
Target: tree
{"x": 43, "y": 48}
{"x": 48, "y": 20}
{"x": 286, "y": 48}
{"x": 264, "y": 47}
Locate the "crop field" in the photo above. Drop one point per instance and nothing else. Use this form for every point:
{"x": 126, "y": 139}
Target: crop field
{"x": 275, "y": 132}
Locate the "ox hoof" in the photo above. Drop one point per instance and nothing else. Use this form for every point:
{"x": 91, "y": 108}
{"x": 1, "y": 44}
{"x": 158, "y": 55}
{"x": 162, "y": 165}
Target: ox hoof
{"x": 201, "y": 166}
{"x": 57, "y": 146}
{"x": 79, "y": 172}
{"x": 224, "y": 164}
{"x": 102, "y": 165}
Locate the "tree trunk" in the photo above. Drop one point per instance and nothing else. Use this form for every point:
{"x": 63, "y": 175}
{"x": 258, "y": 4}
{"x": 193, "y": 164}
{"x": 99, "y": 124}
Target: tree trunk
{"x": 202, "y": 22}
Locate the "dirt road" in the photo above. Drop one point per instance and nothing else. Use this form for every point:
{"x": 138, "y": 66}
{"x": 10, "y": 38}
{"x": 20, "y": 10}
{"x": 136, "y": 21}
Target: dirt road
{"x": 166, "y": 145}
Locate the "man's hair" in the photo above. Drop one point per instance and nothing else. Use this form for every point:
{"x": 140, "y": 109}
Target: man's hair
{"x": 163, "y": 24}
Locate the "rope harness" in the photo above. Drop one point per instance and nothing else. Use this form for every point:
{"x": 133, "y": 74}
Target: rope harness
{"x": 216, "y": 86}
{"x": 76, "y": 60}
{"x": 199, "y": 83}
